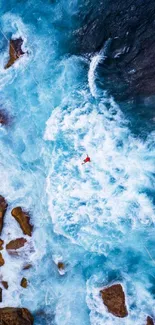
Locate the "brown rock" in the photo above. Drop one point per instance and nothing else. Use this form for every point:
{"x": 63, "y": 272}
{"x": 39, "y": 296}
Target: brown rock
{"x": 5, "y": 284}
{"x": 15, "y": 316}
{"x": 1, "y": 244}
{"x": 149, "y": 321}
{"x": 3, "y": 207}
{"x": 61, "y": 266}
{"x": 27, "y": 267}
{"x": 2, "y": 262}
{"x": 24, "y": 283}
{"x": 15, "y": 51}
{"x": 114, "y": 299}
{"x": 16, "y": 244}
{"x": 0, "y": 294}
{"x": 23, "y": 219}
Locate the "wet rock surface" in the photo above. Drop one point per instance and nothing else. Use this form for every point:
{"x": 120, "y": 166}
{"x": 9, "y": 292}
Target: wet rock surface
{"x": 24, "y": 283}
{"x": 15, "y": 316}
{"x": 128, "y": 68}
{"x": 2, "y": 262}
{"x": 1, "y": 244}
{"x": 5, "y": 284}
{"x": 3, "y": 207}
{"x": 23, "y": 219}
{"x": 114, "y": 299}
{"x": 149, "y": 321}
{"x": 15, "y": 51}
{"x": 16, "y": 244}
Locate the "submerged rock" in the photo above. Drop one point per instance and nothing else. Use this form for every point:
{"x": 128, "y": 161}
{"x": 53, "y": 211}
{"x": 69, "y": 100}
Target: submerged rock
{"x": 1, "y": 244}
{"x": 16, "y": 244}
{"x": 149, "y": 321}
{"x": 23, "y": 219}
{"x": 15, "y": 316}
{"x": 27, "y": 266}
{"x": 15, "y": 51}
{"x": 4, "y": 120}
{"x": 5, "y": 284}
{"x": 3, "y": 207}
{"x": 24, "y": 283}
{"x": 2, "y": 262}
{"x": 114, "y": 299}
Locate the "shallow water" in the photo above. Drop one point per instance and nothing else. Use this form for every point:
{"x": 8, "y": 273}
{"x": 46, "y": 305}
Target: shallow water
{"x": 97, "y": 218}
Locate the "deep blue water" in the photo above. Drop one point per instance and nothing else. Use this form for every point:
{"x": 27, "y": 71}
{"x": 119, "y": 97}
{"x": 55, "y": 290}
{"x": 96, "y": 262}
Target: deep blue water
{"x": 97, "y": 218}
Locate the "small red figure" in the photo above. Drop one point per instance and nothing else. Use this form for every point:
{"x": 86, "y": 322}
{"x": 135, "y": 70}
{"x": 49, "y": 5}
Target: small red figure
{"x": 87, "y": 159}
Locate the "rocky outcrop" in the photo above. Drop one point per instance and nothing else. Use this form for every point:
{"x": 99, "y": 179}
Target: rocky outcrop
{"x": 114, "y": 299}
{"x": 15, "y": 51}
{"x": 128, "y": 68}
{"x": 16, "y": 244}
{"x": 23, "y": 219}
{"x": 2, "y": 262}
{"x": 1, "y": 244}
{"x": 3, "y": 207}
{"x": 149, "y": 321}
{"x": 15, "y": 316}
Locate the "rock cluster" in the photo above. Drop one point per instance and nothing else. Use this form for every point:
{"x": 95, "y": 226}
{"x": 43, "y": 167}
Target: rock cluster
{"x": 14, "y": 316}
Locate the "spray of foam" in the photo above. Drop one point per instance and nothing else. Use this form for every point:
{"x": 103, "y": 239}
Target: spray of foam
{"x": 93, "y": 66}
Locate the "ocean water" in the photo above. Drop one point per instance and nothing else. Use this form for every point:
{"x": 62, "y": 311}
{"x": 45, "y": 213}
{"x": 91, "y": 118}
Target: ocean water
{"x": 97, "y": 218}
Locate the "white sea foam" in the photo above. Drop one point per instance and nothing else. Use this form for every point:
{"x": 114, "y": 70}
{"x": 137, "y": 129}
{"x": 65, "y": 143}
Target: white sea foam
{"x": 84, "y": 200}
{"x": 95, "y": 60}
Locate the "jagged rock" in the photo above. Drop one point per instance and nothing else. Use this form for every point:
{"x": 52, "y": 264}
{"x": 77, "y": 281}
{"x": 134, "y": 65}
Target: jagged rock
{"x": 1, "y": 244}
{"x": 15, "y": 316}
{"x": 23, "y": 219}
{"x": 15, "y": 51}
{"x": 114, "y": 299}
{"x": 24, "y": 283}
{"x": 3, "y": 207}
{"x": 27, "y": 266}
{"x": 149, "y": 321}
{"x": 16, "y": 244}
{"x": 5, "y": 284}
{"x": 2, "y": 262}
{"x": 1, "y": 294}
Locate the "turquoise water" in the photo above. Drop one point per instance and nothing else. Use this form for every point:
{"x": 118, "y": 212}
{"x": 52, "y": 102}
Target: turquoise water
{"x": 97, "y": 218}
